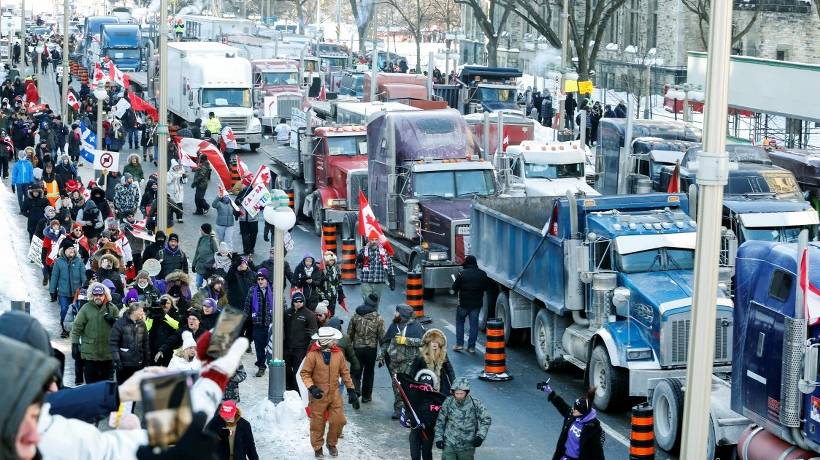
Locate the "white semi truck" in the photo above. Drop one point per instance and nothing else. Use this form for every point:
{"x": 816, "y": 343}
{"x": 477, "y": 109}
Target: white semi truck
{"x": 206, "y": 77}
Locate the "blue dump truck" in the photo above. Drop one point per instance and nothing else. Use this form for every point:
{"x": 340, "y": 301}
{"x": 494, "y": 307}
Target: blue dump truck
{"x": 122, "y": 43}
{"x": 776, "y": 350}
{"x": 603, "y": 283}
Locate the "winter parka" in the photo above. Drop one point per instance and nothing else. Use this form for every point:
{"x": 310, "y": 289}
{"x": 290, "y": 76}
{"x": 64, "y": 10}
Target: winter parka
{"x": 91, "y": 330}
{"x": 129, "y": 342}
{"x": 67, "y": 275}
{"x": 460, "y": 422}
{"x": 592, "y": 435}
{"x": 204, "y": 256}
{"x": 134, "y": 169}
{"x": 366, "y": 327}
{"x": 470, "y": 284}
{"x": 224, "y": 211}
{"x": 243, "y": 444}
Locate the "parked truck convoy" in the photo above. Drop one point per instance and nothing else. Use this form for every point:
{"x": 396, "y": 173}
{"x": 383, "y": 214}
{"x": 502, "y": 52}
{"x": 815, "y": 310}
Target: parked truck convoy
{"x": 122, "y": 43}
{"x": 276, "y": 89}
{"x": 424, "y": 170}
{"x": 209, "y": 77}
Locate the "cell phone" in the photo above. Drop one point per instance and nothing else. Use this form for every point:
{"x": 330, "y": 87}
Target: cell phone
{"x": 227, "y": 329}
{"x": 167, "y": 402}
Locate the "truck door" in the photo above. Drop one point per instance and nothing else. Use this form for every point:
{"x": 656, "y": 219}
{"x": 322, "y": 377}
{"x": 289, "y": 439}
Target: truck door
{"x": 319, "y": 147}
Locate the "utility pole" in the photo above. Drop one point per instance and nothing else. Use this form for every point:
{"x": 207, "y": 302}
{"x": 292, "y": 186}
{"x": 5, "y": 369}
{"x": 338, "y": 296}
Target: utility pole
{"x": 713, "y": 171}
{"x": 339, "y": 21}
{"x": 66, "y": 73}
{"x": 564, "y": 63}
{"x": 23, "y": 48}
{"x": 162, "y": 126}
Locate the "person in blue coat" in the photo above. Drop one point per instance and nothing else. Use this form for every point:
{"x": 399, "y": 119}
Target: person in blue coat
{"x": 22, "y": 174}
{"x": 67, "y": 276}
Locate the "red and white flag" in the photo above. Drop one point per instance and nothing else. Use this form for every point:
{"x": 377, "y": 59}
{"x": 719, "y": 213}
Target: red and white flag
{"x": 228, "y": 138}
{"x": 188, "y": 149}
{"x": 262, "y": 176}
{"x": 141, "y": 105}
{"x": 71, "y": 100}
{"x": 368, "y": 225}
{"x": 674, "y": 180}
{"x": 811, "y": 295}
{"x": 117, "y": 76}
{"x": 98, "y": 76}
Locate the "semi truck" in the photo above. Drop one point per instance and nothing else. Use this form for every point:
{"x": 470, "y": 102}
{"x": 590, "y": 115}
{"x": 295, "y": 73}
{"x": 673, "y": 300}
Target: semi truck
{"x": 488, "y": 89}
{"x": 805, "y": 165}
{"x": 276, "y": 89}
{"x": 122, "y": 43}
{"x": 91, "y": 36}
{"x": 325, "y": 166}
{"x": 209, "y": 77}
{"x": 515, "y": 129}
{"x": 603, "y": 283}
{"x": 777, "y": 351}
{"x": 424, "y": 170}
{"x": 536, "y": 169}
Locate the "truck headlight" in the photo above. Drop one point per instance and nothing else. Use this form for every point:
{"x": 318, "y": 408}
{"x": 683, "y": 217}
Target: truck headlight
{"x": 333, "y": 203}
{"x": 635, "y": 354}
{"x": 436, "y": 255}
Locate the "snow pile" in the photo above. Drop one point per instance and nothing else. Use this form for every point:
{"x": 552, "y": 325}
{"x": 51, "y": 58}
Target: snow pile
{"x": 13, "y": 249}
{"x": 283, "y": 429}
{"x": 544, "y": 134}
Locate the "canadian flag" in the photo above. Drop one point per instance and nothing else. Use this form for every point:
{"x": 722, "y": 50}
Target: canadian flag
{"x": 811, "y": 295}
{"x": 368, "y": 225}
{"x": 228, "y": 138}
{"x": 72, "y": 101}
{"x": 674, "y": 180}
{"x": 188, "y": 151}
{"x": 98, "y": 76}
{"x": 262, "y": 176}
{"x": 117, "y": 76}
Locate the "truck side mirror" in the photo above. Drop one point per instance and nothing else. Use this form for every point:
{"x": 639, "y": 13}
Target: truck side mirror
{"x": 809, "y": 381}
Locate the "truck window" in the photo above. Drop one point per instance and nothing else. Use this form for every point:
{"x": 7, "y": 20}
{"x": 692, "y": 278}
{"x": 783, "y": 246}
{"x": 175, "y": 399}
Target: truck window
{"x": 280, "y": 78}
{"x": 450, "y": 184}
{"x": 122, "y": 53}
{"x": 348, "y": 145}
{"x": 775, "y": 234}
{"x": 226, "y": 97}
{"x": 660, "y": 259}
{"x": 545, "y": 171}
{"x": 601, "y": 255}
{"x": 497, "y": 94}
{"x": 780, "y": 285}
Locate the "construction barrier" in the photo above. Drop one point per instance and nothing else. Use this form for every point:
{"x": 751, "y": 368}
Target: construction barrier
{"x": 235, "y": 173}
{"x": 642, "y": 436}
{"x": 415, "y": 296}
{"x": 329, "y": 237}
{"x": 291, "y": 201}
{"x": 348, "y": 266}
{"x": 84, "y": 76}
{"x": 495, "y": 357}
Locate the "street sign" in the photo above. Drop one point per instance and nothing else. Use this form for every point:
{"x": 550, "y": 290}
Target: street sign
{"x": 585, "y": 87}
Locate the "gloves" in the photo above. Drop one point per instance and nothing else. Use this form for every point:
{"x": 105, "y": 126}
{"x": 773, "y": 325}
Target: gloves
{"x": 353, "y": 398}
{"x": 315, "y": 392}
{"x": 109, "y": 318}
{"x": 477, "y": 441}
{"x": 440, "y": 444}
{"x": 196, "y": 442}
{"x": 75, "y": 351}
{"x": 391, "y": 282}
{"x": 401, "y": 340}
{"x": 547, "y": 389}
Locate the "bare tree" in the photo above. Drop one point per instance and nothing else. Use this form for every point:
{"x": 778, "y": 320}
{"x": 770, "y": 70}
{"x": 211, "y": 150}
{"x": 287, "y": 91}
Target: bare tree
{"x": 538, "y": 14}
{"x": 363, "y": 14}
{"x": 415, "y": 15}
{"x": 702, "y": 9}
{"x": 446, "y": 14}
{"x": 489, "y": 25}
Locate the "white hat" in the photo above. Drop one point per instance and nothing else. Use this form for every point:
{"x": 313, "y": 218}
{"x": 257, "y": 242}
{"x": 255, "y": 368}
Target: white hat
{"x": 321, "y": 307}
{"x": 188, "y": 340}
{"x": 327, "y": 333}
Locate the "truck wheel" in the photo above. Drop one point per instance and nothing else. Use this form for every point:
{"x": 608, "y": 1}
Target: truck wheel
{"x": 298, "y": 198}
{"x": 543, "y": 339}
{"x": 318, "y": 215}
{"x": 487, "y": 307}
{"x": 502, "y": 312}
{"x": 610, "y": 382}
{"x": 667, "y": 399}
{"x": 254, "y": 147}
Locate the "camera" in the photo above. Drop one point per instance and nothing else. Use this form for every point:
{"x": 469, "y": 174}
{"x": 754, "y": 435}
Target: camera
{"x": 541, "y": 385}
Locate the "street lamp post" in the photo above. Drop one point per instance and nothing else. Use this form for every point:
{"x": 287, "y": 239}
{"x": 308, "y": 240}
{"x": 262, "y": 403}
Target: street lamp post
{"x": 162, "y": 125}
{"x": 282, "y": 217}
{"x": 100, "y": 93}
{"x": 713, "y": 171}
{"x": 66, "y": 73}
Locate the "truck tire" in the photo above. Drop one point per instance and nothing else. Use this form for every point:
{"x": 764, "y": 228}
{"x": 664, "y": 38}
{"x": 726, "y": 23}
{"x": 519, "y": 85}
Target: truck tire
{"x": 667, "y": 399}
{"x": 298, "y": 198}
{"x": 254, "y": 147}
{"x": 542, "y": 334}
{"x": 502, "y": 312}
{"x": 609, "y": 381}
{"x": 487, "y": 307}
{"x": 318, "y": 215}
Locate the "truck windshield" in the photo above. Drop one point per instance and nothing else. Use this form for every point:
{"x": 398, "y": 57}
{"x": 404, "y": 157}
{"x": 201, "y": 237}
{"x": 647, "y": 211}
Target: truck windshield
{"x": 133, "y": 53}
{"x": 497, "y": 94}
{"x": 544, "y": 171}
{"x": 778, "y": 184}
{"x": 352, "y": 145}
{"x": 450, "y": 184}
{"x": 653, "y": 260}
{"x": 280, "y": 78}
{"x": 776, "y": 234}
{"x": 334, "y": 61}
{"x": 226, "y": 97}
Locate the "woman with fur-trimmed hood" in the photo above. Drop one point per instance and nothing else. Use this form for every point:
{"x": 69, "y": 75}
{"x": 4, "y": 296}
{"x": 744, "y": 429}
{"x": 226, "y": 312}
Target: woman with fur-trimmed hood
{"x": 108, "y": 268}
{"x": 215, "y": 289}
{"x": 432, "y": 359}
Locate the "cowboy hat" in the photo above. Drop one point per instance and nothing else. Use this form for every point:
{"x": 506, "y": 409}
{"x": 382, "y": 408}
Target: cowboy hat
{"x": 327, "y": 333}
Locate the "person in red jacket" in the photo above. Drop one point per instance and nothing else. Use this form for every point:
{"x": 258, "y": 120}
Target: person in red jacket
{"x": 32, "y": 95}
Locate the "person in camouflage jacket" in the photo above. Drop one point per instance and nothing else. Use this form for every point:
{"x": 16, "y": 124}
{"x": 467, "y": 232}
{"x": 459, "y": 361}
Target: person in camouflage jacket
{"x": 462, "y": 424}
{"x": 232, "y": 389}
{"x": 126, "y": 196}
{"x": 330, "y": 288}
{"x": 365, "y": 330}
{"x": 402, "y": 342}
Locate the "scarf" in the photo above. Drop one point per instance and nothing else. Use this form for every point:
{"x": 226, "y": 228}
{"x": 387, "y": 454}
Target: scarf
{"x": 255, "y": 300}
{"x": 382, "y": 258}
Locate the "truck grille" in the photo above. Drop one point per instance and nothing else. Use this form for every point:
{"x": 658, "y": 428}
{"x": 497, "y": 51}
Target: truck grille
{"x": 238, "y": 124}
{"x": 675, "y": 341}
{"x": 284, "y": 105}
{"x": 357, "y": 180}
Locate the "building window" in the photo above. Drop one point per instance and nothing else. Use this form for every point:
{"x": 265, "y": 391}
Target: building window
{"x": 652, "y": 25}
{"x": 782, "y": 55}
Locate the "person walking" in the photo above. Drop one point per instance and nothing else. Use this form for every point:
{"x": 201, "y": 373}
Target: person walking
{"x": 462, "y": 424}
{"x": 134, "y": 167}
{"x": 185, "y": 359}
{"x": 282, "y": 131}
{"x": 375, "y": 268}
{"x": 581, "y": 434}
{"x": 67, "y": 277}
{"x": 259, "y": 308}
{"x": 469, "y": 285}
{"x": 206, "y": 248}
{"x": 161, "y": 324}
{"x": 300, "y": 325}
{"x": 129, "y": 342}
{"x": 202, "y": 177}
{"x": 22, "y": 175}
{"x": 213, "y": 125}
{"x": 321, "y": 370}
{"x": 248, "y": 224}
{"x": 91, "y": 333}
{"x": 235, "y": 434}
{"x": 365, "y": 330}
{"x": 176, "y": 189}
{"x": 401, "y": 343}
{"x": 172, "y": 257}
{"x": 225, "y": 219}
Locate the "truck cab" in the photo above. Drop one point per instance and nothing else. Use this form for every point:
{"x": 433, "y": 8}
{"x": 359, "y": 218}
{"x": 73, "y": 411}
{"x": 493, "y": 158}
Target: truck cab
{"x": 805, "y": 165}
{"x": 489, "y": 89}
{"x": 122, "y": 43}
{"x": 91, "y": 35}
{"x": 276, "y": 89}
{"x": 545, "y": 170}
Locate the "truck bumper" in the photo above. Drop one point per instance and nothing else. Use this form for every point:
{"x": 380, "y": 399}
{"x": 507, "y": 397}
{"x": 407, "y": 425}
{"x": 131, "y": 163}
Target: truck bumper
{"x": 248, "y": 138}
{"x": 641, "y": 381}
{"x": 337, "y": 216}
{"x": 439, "y": 277}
